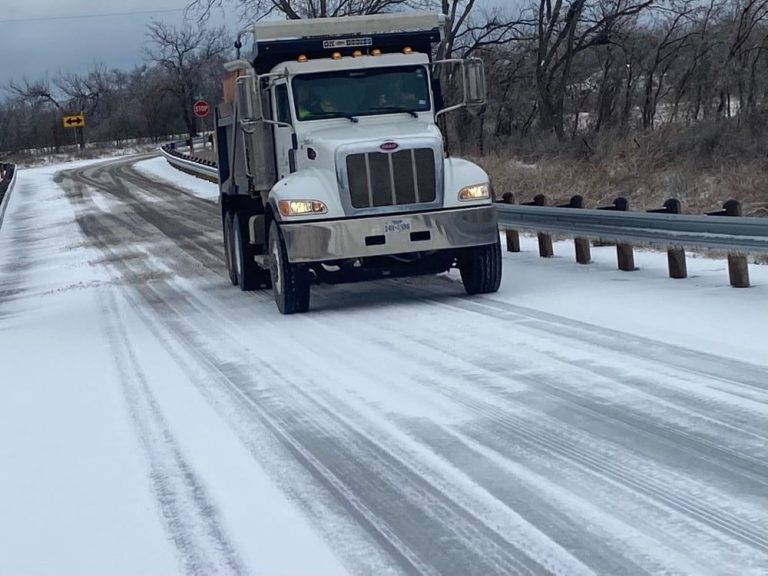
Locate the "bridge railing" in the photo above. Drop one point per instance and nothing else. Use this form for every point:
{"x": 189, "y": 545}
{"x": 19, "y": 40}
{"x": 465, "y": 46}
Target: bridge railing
{"x": 665, "y": 227}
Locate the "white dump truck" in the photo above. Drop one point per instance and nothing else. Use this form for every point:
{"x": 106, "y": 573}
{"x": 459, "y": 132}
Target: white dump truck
{"x": 332, "y": 167}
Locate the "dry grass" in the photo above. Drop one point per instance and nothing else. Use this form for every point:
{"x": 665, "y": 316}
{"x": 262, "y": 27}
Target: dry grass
{"x": 701, "y": 166}
{"x": 645, "y": 187}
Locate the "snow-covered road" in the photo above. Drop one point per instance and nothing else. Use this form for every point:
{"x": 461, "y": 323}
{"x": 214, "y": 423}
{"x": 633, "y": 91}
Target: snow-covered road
{"x": 154, "y": 419}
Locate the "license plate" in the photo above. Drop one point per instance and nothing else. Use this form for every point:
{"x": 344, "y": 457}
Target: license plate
{"x": 397, "y": 226}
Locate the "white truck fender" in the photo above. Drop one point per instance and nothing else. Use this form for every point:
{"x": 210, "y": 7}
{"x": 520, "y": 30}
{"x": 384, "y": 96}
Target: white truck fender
{"x": 458, "y": 174}
{"x": 308, "y": 184}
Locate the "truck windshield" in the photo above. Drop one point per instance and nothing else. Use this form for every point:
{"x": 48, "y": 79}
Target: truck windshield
{"x": 351, "y": 93}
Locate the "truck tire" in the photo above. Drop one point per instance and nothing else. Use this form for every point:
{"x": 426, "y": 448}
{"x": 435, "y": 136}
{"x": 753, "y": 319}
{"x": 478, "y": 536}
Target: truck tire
{"x": 250, "y": 276}
{"x": 229, "y": 248}
{"x": 290, "y": 282}
{"x": 480, "y": 269}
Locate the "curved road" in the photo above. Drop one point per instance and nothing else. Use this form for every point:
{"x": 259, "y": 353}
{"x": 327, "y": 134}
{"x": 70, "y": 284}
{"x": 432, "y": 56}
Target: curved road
{"x": 422, "y": 432}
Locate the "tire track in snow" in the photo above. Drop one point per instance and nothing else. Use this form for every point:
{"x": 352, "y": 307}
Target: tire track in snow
{"x": 731, "y": 372}
{"x": 729, "y": 460}
{"x": 189, "y": 515}
{"x": 187, "y": 222}
{"x": 365, "y": 476}
{"x": 647, "y": 425}
{"x": 571, "y": 444}
{"x": 744, "y": 413}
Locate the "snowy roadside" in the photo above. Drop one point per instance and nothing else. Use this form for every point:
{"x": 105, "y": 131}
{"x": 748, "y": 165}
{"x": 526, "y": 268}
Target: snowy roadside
{"x": 701, "y": 312}
{"x": 92, "y": 153}
{"x": 158, "y": 168}
{"x": 62, "y": 418}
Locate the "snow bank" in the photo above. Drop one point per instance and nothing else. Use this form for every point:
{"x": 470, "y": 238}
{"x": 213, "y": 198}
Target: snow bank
{"x": 701, "y": 312}
{"x": 159, "y": 168}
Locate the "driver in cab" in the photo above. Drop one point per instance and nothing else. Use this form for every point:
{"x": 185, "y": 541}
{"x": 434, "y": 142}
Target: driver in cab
{"x": 312, "y": 102}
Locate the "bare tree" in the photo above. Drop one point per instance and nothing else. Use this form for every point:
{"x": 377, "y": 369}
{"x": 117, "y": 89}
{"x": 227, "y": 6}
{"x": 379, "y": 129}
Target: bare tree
{"x": 667, "y": 40}
{"x": 47, "y": 99}
{"x": 37, "y": 91}
{"x": 469, "y": 29}
{"x": 187, "y": 57}
{"x": 564, "y": 30}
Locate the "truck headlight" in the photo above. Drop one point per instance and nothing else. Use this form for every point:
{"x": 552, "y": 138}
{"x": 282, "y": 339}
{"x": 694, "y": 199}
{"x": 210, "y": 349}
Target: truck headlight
{"x": 301, "y": 207}
{"x": 476, "y": 192}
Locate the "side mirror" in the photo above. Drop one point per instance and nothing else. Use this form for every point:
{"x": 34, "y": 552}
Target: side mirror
{"x": 474, "y": 83}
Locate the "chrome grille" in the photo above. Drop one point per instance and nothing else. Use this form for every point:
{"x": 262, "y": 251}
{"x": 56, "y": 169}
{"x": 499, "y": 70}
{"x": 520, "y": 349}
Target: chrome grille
{"x": 392, "y": 179}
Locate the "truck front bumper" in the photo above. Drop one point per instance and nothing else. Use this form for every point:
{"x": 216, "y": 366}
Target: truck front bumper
{"x": 385, "y": 235}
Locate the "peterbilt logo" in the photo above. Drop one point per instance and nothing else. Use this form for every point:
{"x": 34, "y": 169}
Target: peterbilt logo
{"x": 389, "y": 146}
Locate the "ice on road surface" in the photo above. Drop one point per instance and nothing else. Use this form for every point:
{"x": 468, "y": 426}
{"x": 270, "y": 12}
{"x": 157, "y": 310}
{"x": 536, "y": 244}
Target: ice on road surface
{"x": 156, "y": 420}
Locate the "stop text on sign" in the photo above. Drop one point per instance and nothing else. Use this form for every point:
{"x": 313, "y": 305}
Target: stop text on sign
{"x": 201, "y": 108}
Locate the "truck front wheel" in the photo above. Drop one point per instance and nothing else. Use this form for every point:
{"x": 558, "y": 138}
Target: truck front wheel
{"x": 290, "y": 282}
{"x": 480, "y": 269}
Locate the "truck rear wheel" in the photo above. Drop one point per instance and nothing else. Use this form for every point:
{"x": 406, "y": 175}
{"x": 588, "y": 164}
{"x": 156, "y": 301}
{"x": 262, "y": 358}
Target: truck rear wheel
{"x": 480, "y": 269}
{"x": 250, "y": 276}
{"x": 229, "y": 248}
{"x": 290, "y": 282}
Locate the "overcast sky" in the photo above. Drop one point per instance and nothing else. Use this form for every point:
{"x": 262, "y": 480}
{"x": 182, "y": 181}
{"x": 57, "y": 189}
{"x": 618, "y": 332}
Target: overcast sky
{"x": 76, "y": 36}
{"x": 39, "y": 37}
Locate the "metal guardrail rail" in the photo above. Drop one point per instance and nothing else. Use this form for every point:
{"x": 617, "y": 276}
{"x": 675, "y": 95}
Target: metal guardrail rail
{"x": 663, "y": 227}
{"x": 196, "y": 166}
{"x": 740, "y": 234}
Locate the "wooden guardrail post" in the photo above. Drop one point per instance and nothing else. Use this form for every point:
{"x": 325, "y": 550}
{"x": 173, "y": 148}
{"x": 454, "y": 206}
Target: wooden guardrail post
{"x": 545, "y": 240}
{"x": 624, "y": 252}
{"x": 738, "y": 268}
{"x": 675, "y": 256}
{"x": 582, "y": 246}
{"x": 513, "y": 236}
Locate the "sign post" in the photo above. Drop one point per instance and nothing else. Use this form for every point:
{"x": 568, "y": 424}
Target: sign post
{"x": 76, "y": 121}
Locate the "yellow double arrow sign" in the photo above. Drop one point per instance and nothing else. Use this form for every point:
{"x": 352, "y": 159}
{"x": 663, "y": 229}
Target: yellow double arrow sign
{"x": 74, "y": 121}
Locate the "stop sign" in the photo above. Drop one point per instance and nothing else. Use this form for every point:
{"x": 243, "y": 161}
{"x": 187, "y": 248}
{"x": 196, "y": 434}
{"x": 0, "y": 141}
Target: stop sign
{"x": 201, "y": 108}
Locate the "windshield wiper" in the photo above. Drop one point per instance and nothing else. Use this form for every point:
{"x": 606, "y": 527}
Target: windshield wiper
{"x": 395, "y": 109}
{"x": 319, "y": 115}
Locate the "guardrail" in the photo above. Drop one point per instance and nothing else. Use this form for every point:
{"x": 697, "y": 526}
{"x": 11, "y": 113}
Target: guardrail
{"x": 664, "y": 227}
{"x": 205, "y": 169}
{"x": 7, "y": 180}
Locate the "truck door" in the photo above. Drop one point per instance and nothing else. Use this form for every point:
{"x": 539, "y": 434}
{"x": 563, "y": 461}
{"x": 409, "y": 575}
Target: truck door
{"x": 284, "y": 152}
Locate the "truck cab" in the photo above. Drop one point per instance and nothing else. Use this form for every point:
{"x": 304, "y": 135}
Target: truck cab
{"x": 332, "y": 167}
